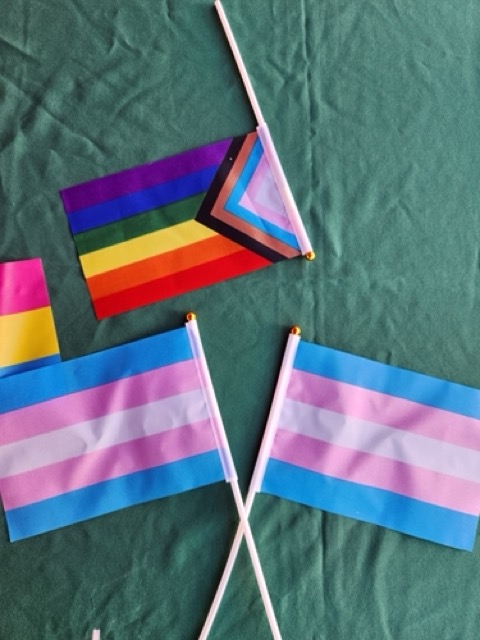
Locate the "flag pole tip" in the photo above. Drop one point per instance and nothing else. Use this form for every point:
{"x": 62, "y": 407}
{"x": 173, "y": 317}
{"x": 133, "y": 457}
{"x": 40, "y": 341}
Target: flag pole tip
{"x": 295, "y": 330}
{"x": 191, "y": 316}
{"x": 310, "y": 255}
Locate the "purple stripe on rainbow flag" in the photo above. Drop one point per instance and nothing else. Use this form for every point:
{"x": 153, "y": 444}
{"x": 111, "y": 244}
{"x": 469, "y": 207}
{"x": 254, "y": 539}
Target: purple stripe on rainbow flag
{"x": 140, "y": 201}
{"x": 142, "y": 177}
{"x": 406, "y": 444}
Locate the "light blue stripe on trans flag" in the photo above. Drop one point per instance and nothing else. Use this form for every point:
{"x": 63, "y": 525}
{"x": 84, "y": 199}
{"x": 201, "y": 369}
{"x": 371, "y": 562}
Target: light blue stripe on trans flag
{"x": 94, "y": 369}
{"x": 369, "y": 504}
{"x": 384, "y": 378}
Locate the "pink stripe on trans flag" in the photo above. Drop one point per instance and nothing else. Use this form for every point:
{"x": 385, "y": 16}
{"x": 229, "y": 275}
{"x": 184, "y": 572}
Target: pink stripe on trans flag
{"x": 376, "y": 471}
{"x": 106, "y": 464}
{"x": 103, "y": 432}
{"x": 92, "y": 403}
{"x": 379, "y": 439}
{"x": 388, "y": 410}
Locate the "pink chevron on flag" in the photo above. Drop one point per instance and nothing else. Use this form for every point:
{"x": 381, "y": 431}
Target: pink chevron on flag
{"x": 262, "y": 195}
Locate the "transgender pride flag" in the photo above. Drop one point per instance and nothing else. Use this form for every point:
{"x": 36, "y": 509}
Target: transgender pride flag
{"x": 88, "y": 436}
{"x": 376, "y": 443}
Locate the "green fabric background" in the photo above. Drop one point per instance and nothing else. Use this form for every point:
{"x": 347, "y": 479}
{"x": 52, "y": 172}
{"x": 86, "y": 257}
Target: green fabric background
{"x": 374, "y": 107}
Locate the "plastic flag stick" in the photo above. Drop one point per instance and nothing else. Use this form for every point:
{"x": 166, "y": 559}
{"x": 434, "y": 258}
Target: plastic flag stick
{"x": 240, "y": 64}
{"x": 257, "y": 475}
{"x": 265, "y": 137}
{"x": 230, "y": 473}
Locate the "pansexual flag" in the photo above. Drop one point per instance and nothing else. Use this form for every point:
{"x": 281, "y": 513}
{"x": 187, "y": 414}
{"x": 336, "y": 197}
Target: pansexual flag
{"x": 28, "y": 339}
{"x": 89, "y": 436}
{"x": 162, "y": 229}
{"x": 377, "y": 443}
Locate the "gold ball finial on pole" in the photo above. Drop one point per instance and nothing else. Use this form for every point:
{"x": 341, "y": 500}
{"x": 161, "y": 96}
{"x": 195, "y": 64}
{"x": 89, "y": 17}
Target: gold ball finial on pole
{"x": 310, "y": 255}
{"x": 191, "y": 316}
{"x": 296, "y": 330}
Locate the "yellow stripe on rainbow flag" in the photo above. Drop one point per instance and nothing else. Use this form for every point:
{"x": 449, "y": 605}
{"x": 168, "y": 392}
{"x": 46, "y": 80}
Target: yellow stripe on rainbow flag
{"x": 144, "y": 247}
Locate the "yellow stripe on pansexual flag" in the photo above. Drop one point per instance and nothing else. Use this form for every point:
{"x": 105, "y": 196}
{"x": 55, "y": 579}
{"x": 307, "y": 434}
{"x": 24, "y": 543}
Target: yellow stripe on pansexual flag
{"x": 147, "y": 246}
{"x": 27, "y": 336}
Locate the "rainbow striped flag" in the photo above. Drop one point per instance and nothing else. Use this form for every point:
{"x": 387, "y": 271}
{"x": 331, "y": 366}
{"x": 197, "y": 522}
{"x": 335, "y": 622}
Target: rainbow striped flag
{"x": 184, "y": 222}
{"x": 89, "y": 436}
{"x": 28, "y": 339}
{"x": 377, "y": 443}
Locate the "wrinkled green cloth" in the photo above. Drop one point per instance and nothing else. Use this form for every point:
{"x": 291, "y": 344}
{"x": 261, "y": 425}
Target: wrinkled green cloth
{"x": 374, "y": 108}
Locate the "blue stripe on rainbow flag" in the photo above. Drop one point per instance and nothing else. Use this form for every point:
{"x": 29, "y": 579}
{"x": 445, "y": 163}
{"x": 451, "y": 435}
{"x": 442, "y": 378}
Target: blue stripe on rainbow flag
{"x": 112, "y": 495}
{"x": 370, "y": 504}
{"x": 402, "y": 383}
{"x": 140, "y": 201}
{"x": 94, "y": 369}
{"x": 233, "y": 202}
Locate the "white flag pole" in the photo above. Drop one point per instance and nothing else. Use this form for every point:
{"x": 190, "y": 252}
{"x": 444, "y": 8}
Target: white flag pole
{"x": 267, "y": 142}
{"x": 96, "y": 634}
{"x": 240, "y": 64}
{"x": 258, "y": 473}
{"x": 229, "y": 468}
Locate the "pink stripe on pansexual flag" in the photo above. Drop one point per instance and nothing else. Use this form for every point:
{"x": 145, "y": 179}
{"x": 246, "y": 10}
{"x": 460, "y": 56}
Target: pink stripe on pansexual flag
{"x": 104, "y": 464}
{"x": 22, "y": 286}
{"x": 365, "y": 404}
{"x": 376, "y": 471}
{"x": 89, "y": 404}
